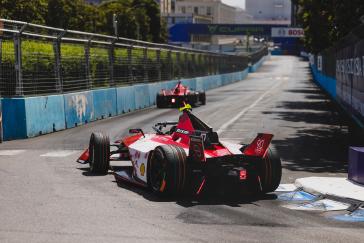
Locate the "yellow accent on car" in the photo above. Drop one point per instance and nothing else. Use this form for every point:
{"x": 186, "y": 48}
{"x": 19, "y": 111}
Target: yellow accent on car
{"x": 186, "y": 107}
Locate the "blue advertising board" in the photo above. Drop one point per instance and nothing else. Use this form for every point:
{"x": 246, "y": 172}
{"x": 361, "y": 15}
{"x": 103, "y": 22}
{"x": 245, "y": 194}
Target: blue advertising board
{"x": 182, "y": 32}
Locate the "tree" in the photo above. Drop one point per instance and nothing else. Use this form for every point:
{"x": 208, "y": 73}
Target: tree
{"x": 136, "y": 18}
{"x": 24, "y": 10}
{"x": 152, "y": 10}
{"x": 72, "y": 14}
{"x": 327, "y": 21}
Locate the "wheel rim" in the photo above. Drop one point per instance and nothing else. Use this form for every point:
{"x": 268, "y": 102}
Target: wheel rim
{"x": 158, "y": 171}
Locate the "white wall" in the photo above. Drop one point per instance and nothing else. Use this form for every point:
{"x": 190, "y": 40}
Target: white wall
{"x": 269, "y": 9}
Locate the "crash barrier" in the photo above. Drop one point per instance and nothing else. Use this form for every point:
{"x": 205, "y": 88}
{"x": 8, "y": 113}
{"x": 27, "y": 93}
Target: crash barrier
{"x": 33, "y": 116}
{"x": 253, "y": 68}
{"x": 340, "y": 72}
{"x": 325, "y": 82}
{"x": 41, "y": 60}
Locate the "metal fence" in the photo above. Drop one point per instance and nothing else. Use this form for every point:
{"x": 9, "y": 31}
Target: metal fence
{"x": 334, "y": 53}
{"x": 39, "y": 60}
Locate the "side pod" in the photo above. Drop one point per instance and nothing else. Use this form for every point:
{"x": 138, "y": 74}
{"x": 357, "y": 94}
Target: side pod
{"x": 259, "y": 146}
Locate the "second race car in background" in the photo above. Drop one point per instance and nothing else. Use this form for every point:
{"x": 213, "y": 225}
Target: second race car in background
{"x": 180, "y": 95}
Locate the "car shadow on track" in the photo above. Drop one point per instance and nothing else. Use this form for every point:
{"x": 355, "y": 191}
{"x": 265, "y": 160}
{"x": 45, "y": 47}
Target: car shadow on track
{"x": 321, "y": 138}
{"x": 232, "y": 200}
{"x": 209, "y": 197}
{"x": 87, "y": 172}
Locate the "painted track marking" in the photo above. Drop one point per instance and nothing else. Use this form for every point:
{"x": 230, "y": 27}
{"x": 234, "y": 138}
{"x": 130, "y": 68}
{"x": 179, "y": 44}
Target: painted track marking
{"x": 245, "y": 110}
{"x": 59, "y": 153}
{"x": 11, "y": 152}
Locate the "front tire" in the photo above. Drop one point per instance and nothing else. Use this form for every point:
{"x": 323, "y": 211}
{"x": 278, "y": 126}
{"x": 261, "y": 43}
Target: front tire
{"x": 167, "y": 170}
{"x": 271, "y": 171}
{"x": 99, "y": 153}
{"x": 203, "y": 98}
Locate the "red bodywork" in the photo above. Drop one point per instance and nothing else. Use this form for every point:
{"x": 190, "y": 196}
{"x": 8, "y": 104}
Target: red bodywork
{"x": 179, "y": 90}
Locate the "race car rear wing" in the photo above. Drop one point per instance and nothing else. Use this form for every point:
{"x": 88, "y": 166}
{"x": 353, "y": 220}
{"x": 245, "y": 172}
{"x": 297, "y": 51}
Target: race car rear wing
{"x": 259, "y": 146}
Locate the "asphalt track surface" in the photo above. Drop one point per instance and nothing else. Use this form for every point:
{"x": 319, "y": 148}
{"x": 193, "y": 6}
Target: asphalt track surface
{"x": 48, "y": 197}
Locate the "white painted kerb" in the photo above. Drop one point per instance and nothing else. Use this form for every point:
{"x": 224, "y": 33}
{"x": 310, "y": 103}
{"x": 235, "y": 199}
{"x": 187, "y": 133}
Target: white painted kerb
{"x": 336, "y": 186}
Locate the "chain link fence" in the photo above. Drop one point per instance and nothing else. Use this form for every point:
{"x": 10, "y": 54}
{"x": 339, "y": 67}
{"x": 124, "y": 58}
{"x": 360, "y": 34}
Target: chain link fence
{"x": 40, "y": 60}
{"x": 343, "y": 49}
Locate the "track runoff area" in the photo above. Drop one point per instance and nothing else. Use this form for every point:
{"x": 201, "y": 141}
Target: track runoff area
{"x": 46, "y": 196}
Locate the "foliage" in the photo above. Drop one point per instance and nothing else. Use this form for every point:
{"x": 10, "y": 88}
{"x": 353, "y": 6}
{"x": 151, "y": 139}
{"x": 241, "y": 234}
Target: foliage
{"x": 29, "y": 11}
{"x": 327, "y": 21}
{"x": 137, "y": 19}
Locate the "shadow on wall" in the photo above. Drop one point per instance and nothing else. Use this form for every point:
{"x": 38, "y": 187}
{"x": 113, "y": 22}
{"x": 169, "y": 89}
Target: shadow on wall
{"x": 320, "y": 143}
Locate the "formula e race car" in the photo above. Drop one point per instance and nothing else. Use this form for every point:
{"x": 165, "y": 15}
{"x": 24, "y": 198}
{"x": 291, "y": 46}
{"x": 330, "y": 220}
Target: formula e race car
{"x": 178, "y": 96}
{"x": 186, "y": 159}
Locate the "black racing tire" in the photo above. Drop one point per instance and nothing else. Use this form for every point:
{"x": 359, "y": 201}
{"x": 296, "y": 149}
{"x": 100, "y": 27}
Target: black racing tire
{"x": 167, "y": 171}
{"x": 99, "y": 153}
{"x": 270, "y": 171}
{"x": 160, "y": 102}
{"x": 193, "y": 99}
{"x": 202, "y": 98}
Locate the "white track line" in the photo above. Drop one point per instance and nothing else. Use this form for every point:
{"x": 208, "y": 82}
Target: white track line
{"x": 59, "y": 153}
{"x": 11, "y": 152}
{"x": 245, "y": 110}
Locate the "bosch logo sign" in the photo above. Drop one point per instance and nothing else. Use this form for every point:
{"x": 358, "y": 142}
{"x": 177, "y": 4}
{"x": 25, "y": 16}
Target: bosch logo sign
{"x": 288, "y": 32}
{"x": 296, "y": 32}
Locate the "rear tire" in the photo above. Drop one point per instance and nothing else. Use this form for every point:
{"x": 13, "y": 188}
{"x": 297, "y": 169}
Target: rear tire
{"x": 203, "y": 98}
{"x": 160, "y": 101}
{"x": 99, "y": 152}
{"x": 270, "y": 171}
{"x": 167, "y": 170}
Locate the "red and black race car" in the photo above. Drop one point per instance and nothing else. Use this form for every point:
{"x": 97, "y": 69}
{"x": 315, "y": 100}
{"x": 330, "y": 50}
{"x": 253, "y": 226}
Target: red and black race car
{"x": 178, "y": 96}
{"x": 187, "y": 158}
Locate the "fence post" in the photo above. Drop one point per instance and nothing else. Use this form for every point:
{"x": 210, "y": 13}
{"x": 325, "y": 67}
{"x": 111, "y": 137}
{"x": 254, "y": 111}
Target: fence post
{"x": 88, "y": 64}
{"x": 18, "y": 65}
{"x": 130, "y": 65}
{"x": 57, "y": 65}
{"x": 217, "y": 64}
{"x": 178, "y": 61}
{"x": 159, "y": 65}
{"x": 193, "y": 65}
{"x": 170, "y": 65}
{"x": 111, "y": 64}
{"x": 145, "y": 64}
{"x": 186, "y": 72}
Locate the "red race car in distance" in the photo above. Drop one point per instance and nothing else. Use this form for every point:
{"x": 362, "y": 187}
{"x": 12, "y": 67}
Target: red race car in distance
{"x": 187, "y": 158}
{"x": 179, "y": 96}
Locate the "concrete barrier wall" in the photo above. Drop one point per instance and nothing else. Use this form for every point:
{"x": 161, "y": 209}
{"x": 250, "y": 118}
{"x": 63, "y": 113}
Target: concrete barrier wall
{"x": 125, "y": 97}
{"x": 104, "y": 103}
{"x": 30, "y": 117}
{"x": 253, "y": 68}
{"x": 14, "y": 119}
{"x": 44, "y": 115}
{"x": 79, "y": 108}
{"x": 327, "y": 83}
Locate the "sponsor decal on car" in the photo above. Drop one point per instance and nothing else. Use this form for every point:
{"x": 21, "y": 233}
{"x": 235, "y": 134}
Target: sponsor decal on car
{"x": 179, "y": 130}
{"x": 142, "y": 169}
{"x": 260, "y": 146}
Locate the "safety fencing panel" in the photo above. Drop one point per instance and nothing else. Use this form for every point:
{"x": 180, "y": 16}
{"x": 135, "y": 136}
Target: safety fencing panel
{"x": 340, "y": 71}
{"x": 40, "y": 60}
